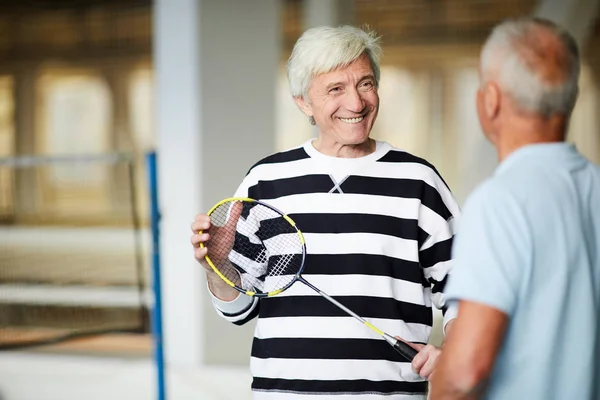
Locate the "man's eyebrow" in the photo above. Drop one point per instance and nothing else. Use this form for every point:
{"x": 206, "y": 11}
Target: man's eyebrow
{"x": 331, "y": 85}
{"x": 334, "y": 84}
{"x": 370, "y": 76}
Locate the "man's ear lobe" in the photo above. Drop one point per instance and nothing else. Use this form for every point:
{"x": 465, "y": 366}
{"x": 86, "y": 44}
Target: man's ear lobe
{"x": 303, "y": 105}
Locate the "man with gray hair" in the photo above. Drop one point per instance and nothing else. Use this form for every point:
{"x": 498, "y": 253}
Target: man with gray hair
{"x": 378, "y": 224}
{"x": 526, "y": 270}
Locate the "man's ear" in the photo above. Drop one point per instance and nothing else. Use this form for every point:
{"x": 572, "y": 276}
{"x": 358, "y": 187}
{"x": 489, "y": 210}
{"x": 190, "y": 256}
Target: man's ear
{"x": 491, "y": 100}
{"x": 304, "y": 105}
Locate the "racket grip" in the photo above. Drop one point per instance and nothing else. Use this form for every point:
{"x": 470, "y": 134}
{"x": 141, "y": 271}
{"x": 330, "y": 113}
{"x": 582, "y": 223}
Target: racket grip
{"x": 405, "y": 350}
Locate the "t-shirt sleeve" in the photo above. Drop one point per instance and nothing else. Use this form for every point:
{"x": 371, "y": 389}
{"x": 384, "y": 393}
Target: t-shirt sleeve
{"x": 438, "y": 216}
{"x": 490, "y": 250}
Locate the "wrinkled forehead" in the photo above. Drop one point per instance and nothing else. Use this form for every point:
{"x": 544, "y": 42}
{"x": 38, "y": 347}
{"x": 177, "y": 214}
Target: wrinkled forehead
{"x": 357, "y": 69}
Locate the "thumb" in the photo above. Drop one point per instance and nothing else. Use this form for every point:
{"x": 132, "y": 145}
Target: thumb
{"x": 416, "y": 346}
{"x": 235, "y": 211}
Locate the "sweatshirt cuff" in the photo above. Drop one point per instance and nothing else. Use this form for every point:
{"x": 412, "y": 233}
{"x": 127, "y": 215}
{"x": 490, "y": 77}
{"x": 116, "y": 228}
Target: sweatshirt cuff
{"x": 235, "y": 306}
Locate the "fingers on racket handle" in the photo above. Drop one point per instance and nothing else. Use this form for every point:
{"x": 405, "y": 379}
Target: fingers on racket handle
{"x": 405, "y": 350}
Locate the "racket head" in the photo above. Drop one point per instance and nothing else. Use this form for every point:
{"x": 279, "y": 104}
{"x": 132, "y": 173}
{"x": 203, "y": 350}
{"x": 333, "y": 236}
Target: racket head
{"x": 254, "y": 247}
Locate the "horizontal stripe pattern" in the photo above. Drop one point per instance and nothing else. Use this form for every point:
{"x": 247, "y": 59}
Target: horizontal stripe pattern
{"x": 353, "y": 223}
{"x": 339, "y": 387}
{"x": 370, "y": 186}
{"x": 394, "y": 165}
{"x": 322, "y": 348}
{"x": 289, "y": 395}
{"x": 331, "y": 203}
{"x": 439, "y": 252}
{"x": 294, "y": 154}
{"x": 340, "y": 327}
{"x": 366, "y": 243}
{"x": 363, "y": 264}
{"x": 323, "y": 203}
{"x": 438, "y": 271}
{"x": 367, "y": 307}
{"x": 406, "y": 188}
{"x": 377, "y": 232}
{"x": 367, "y": 285}
{"x": 331, "y": 370}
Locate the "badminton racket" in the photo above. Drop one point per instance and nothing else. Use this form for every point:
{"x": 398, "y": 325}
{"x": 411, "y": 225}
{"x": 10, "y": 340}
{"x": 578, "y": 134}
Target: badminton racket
{"x": 259, "y": 251}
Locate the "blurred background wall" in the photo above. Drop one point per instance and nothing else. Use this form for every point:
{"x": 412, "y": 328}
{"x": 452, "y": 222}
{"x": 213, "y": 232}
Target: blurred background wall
{"x": 77, "y": 77}
{"x": 202, "y": 82}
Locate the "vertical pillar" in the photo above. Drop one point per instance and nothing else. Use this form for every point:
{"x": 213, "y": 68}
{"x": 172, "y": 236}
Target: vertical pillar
{"x": 216, "y": 70}
{"x": 329, "y": 12}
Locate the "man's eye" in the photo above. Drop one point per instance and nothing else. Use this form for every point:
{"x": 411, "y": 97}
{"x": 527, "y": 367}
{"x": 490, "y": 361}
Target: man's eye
{"x": 366, "y": 85}
{"x": 334, "y": 90}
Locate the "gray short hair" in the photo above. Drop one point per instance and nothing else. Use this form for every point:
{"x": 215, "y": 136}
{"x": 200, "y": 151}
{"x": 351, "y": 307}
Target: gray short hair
{"x": 323, "y": 49}
{"x": 505, "y": 54}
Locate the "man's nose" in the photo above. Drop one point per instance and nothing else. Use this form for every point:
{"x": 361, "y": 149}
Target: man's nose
{"x": 354, "y": 101}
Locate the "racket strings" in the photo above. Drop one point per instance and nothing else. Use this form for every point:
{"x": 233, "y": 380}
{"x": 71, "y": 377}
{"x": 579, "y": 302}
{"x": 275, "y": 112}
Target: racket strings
{"x": 283, "y": 271}
{"x": 254, "y": 247}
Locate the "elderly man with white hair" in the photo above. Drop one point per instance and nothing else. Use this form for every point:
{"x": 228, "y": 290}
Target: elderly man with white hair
{"x": 378, "y": 223}
{"x": 526, "y": 269}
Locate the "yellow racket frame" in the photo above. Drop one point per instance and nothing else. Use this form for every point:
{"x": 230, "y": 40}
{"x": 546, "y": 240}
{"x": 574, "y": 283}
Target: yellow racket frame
{"x": 287, "y": 218}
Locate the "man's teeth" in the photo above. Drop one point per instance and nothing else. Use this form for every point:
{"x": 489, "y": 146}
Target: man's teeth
{"x": 352, "y": 120}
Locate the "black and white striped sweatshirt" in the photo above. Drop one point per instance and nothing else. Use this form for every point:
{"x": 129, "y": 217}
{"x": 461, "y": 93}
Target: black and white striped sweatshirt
{"x": 378, "y": 233}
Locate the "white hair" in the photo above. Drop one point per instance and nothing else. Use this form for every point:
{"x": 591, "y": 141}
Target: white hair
{"x": 504, "y": 57}
{"x": 324, "y": 49}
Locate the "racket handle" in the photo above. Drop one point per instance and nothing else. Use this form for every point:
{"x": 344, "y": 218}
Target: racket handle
{"x": 405, "y": 350}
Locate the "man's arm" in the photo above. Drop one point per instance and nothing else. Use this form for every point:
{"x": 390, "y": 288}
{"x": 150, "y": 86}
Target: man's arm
{"x": 490, "y": 255}
{"x": 438, "y": 216}
{"x": 228, "y": 302}
{"x": 219, "y": 288}
{"x": 469, "y": 352}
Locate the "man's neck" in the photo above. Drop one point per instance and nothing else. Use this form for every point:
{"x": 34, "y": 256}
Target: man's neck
{"x": 333, "y": 149}
{"x": 531, "y": 130}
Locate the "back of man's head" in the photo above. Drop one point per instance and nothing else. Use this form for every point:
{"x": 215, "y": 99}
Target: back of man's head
{"x": 535, "y": 63}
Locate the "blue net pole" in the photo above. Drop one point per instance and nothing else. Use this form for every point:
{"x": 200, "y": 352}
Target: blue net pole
{"x": 157, "y": 332}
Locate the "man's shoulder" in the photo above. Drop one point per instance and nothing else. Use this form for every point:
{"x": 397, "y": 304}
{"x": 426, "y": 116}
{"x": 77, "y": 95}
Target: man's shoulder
{"x": 396, "y": 155}
{"x": 420, "y": 168}
{"x": 500, "y": 194}
{"x": 282, "y": 157}
{"x": 486, "y": 192}
{"x": 525, "y": 181}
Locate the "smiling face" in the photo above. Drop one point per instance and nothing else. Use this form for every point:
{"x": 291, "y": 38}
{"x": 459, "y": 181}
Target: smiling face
{"x": 344, "y": 103}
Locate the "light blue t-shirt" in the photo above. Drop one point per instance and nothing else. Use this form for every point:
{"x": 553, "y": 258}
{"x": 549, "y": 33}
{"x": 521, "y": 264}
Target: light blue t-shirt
{"x": 529, "y": 245}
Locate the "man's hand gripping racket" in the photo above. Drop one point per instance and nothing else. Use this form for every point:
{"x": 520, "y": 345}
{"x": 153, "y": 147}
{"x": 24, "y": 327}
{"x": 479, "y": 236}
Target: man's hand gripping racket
{"x": 259, "y": 251}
